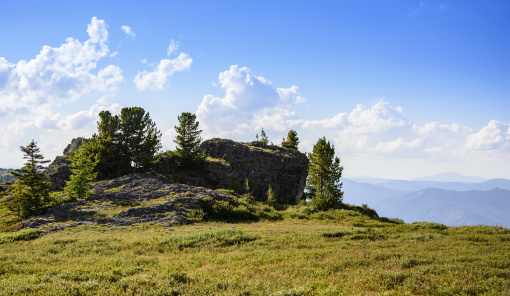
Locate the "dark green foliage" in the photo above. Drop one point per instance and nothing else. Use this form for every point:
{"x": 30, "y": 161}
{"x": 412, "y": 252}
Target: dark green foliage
{"x": 188, "y": 141}
{"x": 324, "y": 173}
{"x": 31, "y": 193}
{"x": 139, "y": 138}
{"x": 292, "y": 140}
{"x": 106, "y": 148}
{"x": 125, "y": 144}
{"x": 79, "y": 186}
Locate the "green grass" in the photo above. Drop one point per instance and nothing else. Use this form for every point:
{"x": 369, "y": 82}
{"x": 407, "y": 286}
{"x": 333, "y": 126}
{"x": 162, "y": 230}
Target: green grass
{"x": 322, "y": 254}
{"x": 246, "y": 247}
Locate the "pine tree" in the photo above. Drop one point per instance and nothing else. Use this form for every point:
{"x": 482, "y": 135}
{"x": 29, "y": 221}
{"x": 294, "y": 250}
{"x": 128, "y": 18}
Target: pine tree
{"x": 263, "y": 137}
{"x": 79, "y": 186}
{"x": 125, "y": 144}
{"x": 139, "y": 137}
{"x": 188, "y": 141}
{"x": 292, "y": 140}
{"x": 324, "y": 173}
{"x": 31, "y": 193}
{"x": 105, "y": 147}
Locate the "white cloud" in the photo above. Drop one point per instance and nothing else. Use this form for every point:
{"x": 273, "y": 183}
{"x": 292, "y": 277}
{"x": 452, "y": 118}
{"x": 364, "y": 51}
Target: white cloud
{"x": 173, "y": 47}
{"x": 495, "y": 136}
{"x": 58, "y": 74}
{"x": 128, "y": 31}
{"x": 157, "y": 79}
{"x": 250, "y": 104}
{"x": 30, "y": 90}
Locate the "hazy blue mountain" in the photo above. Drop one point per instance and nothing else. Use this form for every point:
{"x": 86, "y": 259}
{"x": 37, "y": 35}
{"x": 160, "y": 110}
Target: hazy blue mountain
{"x": 369, "y": 180}
{"x": 358, "y": 193}
{"x": 412, "y": 186}
{"x": 452, "y": 177}
{"x": 449, "y": 207}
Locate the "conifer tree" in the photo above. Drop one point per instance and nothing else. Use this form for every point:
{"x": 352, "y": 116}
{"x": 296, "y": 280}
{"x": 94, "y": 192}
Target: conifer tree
{"x": 31, "y": 193}
{"x": 324, "y": 173}
{"x": 188, "y": 141}
{"x": 271, "y": 199}
{"x": 125, "y": 144}
{"x": 292, "y": 140}
{"x": 79, "y": 186}
{"x": 140, "y": 139}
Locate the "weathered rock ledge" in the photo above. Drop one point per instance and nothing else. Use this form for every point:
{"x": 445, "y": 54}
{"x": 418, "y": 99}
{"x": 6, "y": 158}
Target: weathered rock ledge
{"x": 128, "y": 200}
{"x": 285, "y": 170}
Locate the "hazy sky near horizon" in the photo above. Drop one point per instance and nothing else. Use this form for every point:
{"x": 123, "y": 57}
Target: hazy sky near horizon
{"x": 403, "y": 89}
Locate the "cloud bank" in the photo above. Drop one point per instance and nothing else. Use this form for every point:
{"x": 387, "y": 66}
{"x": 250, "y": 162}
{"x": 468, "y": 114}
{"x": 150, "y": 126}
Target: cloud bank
{"x": 367, "y": 135}
{"x": 29, "y": 90}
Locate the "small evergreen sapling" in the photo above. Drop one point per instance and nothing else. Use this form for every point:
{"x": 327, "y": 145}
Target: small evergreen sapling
{"x": 271, "y": 199}
{"x": 79, "y": 186}
{"x": 292, "y": 140}
{"x": 263, "y": 137}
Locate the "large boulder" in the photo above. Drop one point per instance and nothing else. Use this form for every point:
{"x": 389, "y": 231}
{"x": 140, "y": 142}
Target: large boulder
{"x": 59, "y": 171}
{"x": 232, "y": 163}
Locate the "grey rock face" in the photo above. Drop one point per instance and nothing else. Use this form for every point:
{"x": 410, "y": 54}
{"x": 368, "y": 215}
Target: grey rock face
{"x": 74, "y": 145}
{"x": 59, "y": 171}
{"x": 263, "y": 165}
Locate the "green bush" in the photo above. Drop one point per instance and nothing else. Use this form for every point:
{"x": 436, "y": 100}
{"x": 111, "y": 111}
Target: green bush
{"x": 22, "y": 235}
{"x": 219, "y": 238}
{"x": 426, "y": 225}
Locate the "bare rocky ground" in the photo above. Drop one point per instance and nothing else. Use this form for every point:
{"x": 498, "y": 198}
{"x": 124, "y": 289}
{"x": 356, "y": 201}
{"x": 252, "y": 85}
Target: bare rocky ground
{"x": 128, "y": 200}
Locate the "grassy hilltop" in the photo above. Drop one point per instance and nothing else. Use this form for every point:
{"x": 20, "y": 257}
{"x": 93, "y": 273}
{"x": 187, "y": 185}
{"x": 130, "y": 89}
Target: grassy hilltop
{"x": 288, "y": 251}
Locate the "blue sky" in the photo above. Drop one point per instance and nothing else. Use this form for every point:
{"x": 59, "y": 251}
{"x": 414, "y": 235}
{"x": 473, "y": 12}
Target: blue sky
{"x": 402, "y": 89}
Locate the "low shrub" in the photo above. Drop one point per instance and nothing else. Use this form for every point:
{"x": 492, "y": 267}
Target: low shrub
{"x": 426, "y": 225}
{"x": 218, "y": 238}
{"x": 22, "y": 235}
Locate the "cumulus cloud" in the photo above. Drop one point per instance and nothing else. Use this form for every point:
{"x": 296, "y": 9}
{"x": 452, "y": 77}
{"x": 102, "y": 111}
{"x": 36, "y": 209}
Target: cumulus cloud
{"x": 58, "y": 74}
{"x": 494, "y": 136}
{"x": 250, "y": 103}
{"x": 128, "y": 31}
{"x": 30, "y": 90}
{"x": 157, "y": 79}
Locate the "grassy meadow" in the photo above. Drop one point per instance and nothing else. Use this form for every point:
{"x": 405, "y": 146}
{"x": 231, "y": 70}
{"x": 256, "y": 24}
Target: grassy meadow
{"x": 339, "y": 252}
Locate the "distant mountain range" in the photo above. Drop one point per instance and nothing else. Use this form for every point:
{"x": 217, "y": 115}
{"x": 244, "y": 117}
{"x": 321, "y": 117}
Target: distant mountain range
{"x": 451, "y": 203}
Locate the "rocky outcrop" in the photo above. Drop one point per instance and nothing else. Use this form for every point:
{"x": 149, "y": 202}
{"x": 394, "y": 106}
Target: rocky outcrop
{"x": 59, "y": 171}
{"x": 133, "y": 199}
{"x": 285, "y": 170}
{"x": 74, "y": 145}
